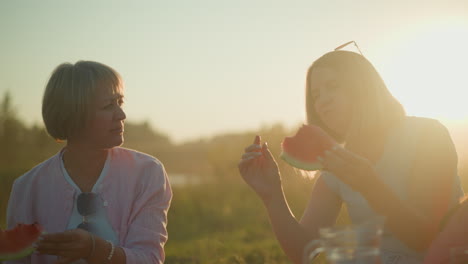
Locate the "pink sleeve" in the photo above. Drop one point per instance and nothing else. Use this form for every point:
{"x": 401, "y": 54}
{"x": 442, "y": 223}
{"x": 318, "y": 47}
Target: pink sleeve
{"x": 147, "y": 231}
{"x": 12, "y": 220}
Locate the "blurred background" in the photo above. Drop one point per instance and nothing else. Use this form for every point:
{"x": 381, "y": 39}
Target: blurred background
{"x": 203, "y": 77}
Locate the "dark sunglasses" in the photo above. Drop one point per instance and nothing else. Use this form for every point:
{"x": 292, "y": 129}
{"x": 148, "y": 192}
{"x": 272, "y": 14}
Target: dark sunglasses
{"x": 347, "y": 43}
{"x": 87, "y": 205}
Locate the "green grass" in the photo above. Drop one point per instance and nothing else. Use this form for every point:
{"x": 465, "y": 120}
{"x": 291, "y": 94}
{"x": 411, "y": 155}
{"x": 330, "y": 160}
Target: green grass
{"x": 220, "y": 224}
{"x": 223, "y": 222}
{"x": 227, "y": 223}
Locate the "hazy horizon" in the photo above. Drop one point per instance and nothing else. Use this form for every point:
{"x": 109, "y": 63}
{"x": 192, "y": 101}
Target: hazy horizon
{"x": 196, "y": 69}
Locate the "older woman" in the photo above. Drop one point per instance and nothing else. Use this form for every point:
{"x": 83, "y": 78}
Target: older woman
{"x": 98, "y": 202}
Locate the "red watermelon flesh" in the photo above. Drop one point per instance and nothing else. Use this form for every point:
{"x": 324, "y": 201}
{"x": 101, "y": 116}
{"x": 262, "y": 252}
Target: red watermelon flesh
{"x": 18, "y": 242}
{"x": 303, "y": 149}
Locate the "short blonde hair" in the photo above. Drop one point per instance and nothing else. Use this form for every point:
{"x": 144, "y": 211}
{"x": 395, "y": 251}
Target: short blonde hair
{"x": 69, "y": 95}
{"x": 375, "y": 110}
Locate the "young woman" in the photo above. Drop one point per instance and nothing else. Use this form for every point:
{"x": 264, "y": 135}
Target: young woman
{"x": 393, "y": 165}
{"x": 98, "y": 202}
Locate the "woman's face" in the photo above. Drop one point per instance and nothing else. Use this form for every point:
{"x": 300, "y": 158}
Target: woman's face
{"x": 331, "y": 100}
{"x": 106, "y": 126}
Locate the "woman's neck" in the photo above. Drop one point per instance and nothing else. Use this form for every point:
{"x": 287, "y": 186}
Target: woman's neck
{"x": 84, "y": 164}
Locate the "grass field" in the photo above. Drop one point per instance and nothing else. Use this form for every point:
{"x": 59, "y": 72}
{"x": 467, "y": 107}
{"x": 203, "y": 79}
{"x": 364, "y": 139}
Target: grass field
{"x": 224, "y": 222}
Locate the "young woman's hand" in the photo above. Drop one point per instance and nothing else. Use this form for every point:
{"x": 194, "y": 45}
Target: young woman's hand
{"x": 69, "y": 246}
{"x": 356, "y": 171}
{"x": 260, "y": 171}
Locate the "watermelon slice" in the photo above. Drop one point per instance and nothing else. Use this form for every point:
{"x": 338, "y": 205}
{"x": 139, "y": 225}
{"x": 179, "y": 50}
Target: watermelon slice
{"x": 18, "y": 242}
{"x": 301, "y": 151}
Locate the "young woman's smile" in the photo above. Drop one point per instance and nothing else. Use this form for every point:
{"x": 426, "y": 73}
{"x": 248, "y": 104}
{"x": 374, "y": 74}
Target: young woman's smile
{"x": 332, "y": 102}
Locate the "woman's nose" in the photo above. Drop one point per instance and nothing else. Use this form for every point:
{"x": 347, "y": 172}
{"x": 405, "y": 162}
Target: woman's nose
{"x": 120, "y": 115}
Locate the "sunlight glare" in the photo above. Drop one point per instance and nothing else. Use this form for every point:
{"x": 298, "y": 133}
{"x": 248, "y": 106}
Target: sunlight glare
{"x": 429, "y": 70}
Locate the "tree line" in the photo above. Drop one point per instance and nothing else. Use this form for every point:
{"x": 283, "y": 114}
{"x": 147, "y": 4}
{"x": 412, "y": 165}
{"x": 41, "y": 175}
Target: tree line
{"x": 24, "y": 146}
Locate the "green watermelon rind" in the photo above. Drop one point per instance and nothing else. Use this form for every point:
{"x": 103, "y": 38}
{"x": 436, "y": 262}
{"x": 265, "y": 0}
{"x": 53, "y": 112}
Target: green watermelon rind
{"x": 21, "y": 254}
{"x": 300, "y": 164}
{"x": 17, "y": 255}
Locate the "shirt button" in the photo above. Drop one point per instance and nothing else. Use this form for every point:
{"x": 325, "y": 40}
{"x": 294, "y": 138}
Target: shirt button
{"x": 106, "y": 203}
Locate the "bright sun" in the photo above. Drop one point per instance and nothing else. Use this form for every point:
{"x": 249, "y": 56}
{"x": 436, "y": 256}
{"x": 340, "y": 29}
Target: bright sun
{"x": 428, "y": 72}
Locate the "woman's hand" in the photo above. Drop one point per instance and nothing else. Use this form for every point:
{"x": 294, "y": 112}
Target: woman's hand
{"x": 356, "y": 171}
{"x": 69, "y": 246}
{"x": 260, "y": 171}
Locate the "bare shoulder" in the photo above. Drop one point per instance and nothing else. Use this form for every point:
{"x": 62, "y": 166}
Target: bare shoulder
{"x": 436, "y": 155}
{"x": 427, "y": 123}
{"x": 433, "y": 125}
{"x": 433, "y": 134}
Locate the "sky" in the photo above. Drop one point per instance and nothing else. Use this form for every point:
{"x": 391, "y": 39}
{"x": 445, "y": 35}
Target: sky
{"x": 194, "y": 69}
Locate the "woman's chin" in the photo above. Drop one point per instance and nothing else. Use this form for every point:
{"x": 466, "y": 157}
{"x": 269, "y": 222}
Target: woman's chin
{"x": 114, "y": 142}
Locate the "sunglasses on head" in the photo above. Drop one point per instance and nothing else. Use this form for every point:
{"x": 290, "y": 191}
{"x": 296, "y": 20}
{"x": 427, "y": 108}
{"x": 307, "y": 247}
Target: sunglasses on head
{"x": 87, "y": 206}
{"x": 347, "y": 43}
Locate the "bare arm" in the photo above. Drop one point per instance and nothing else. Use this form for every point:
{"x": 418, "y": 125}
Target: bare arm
{"x": 261, "y": 173}
{"x": 415, "y": 221}
{"x": 429, "y": 188}
{"x": 322, "y": 209}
